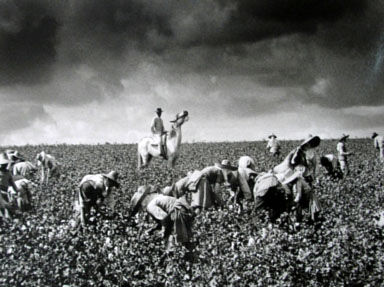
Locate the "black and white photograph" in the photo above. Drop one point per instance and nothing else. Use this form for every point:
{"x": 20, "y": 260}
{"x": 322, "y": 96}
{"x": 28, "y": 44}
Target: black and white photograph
{"x": 191, "y": 143}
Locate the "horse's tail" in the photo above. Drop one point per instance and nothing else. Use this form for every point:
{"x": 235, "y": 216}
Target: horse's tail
{"x": 139, "y": 158}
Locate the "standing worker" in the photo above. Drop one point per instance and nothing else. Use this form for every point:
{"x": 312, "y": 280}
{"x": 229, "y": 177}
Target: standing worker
{"x": 343, "y": 155}
{"x": 157, "y": 129}
{"x": 273, "y": 145}
{"x": 378, "y": 144}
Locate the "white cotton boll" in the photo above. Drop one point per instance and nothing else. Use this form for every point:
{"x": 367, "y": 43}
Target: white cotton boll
{"x": 72, "y": 223}
{"x": 264, "y": 233}
{"x": 251, "y": 242}
{"x": 108, "y": 242}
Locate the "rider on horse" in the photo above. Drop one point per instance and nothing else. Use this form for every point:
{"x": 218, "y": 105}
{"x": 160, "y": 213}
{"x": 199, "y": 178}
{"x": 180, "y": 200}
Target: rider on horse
{"x": 157, "y": 129}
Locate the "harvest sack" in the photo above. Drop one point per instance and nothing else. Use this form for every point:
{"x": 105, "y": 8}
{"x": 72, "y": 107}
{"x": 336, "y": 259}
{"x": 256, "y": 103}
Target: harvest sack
{"x": 263, "y": 183}
{"x": 182, "y": 222}
{"x": 203, "y": 197}
{"x": 246, "y": 185}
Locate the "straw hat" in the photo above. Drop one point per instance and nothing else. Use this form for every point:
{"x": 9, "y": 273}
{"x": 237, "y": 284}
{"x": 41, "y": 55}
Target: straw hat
{"x": 16, "y": 155}
{"x": 139, "y": 195}
{"x": 374, "y": 135}
{"x": 226, "y": 164}
{"x": 4, "y": 159}
{"x": 311, "y": 142}
{"x": 113, "y": 176}
{"x": 272, "y": 136}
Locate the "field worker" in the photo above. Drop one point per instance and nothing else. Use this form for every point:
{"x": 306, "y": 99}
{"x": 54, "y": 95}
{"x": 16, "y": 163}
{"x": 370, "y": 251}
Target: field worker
{"x": 14, "y": 156}
{"x": 197, "y": 184}
{"x": 22, "y": 197}
{"x": 247, "y": 162}
{"x": 270, "y": 194}
{"x": 95, "y": 189}
{"x": 296, "y": 159}
{"x": 241, "y": 182}
{"x": 273, "y": 145}
{"x": 158, "y": 131}
{"x": 303, "y": 194}
{"x": 342, "y": 154}
{"x": 331, "y": 164}
{"x": 6, "y": 181}
{"x": 312, "y": 162}
{"x": 174, "y": 215}
{"x": 178, "y": 189}
{"x": 378, "y": 142}
{"x": 49, "y": 166}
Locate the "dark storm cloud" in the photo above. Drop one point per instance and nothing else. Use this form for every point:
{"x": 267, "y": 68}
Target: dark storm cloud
{"x": 27, "y": 41}
{"x": 281, "y": 43}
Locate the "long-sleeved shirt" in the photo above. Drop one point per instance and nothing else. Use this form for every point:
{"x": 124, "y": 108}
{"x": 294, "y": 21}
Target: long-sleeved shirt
{"x": 273, "y": 144}
{"x": 23, "y": 168}
{"x": 213, "y": 174}
{"x": 181, "y": 187}
{"x": 99, "y": 184}
{"x": 157, "y": 126}
{"x": 97, "y": 180}
{"x": 162, "y": 205}
{"x": 240, "y": 179}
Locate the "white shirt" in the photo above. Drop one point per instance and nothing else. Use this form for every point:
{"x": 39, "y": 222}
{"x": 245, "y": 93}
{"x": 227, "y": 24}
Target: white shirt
{"x": 273, "y": 144}
{"x": 342, "y": 153}
{"x": 157, "y": 126}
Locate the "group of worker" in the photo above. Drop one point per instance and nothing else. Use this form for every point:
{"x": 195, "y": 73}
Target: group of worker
{"x": 288, "y": 186}
{"x": 15, "y": 185}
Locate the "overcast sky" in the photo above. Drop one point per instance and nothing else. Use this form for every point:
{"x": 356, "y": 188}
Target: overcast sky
{"x": 85, "y": 71}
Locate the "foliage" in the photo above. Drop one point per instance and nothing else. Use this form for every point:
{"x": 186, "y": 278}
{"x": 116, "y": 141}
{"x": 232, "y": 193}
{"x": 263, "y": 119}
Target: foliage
{"x": 39, "y": 248}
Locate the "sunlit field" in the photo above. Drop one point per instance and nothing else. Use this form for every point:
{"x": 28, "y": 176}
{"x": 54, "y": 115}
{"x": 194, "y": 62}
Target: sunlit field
{"x": 38, "y": 248}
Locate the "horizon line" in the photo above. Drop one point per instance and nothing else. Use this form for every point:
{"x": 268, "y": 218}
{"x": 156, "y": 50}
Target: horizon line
{"x": 186, "y": 142}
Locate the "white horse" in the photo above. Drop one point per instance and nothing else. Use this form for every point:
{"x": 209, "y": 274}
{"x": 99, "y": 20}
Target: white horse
{"x": 146, "y": 151}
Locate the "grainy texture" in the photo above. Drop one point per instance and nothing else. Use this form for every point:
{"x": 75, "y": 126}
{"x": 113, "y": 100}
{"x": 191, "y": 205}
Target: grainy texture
{"x": 38, "y": 249}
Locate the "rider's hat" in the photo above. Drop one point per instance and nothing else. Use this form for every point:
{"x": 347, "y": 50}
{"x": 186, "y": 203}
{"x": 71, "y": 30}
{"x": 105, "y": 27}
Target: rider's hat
{"x": 226, "y": 164}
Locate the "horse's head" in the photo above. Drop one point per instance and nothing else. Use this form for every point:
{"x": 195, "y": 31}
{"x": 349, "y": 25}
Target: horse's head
{"x": 181, "y": 118}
